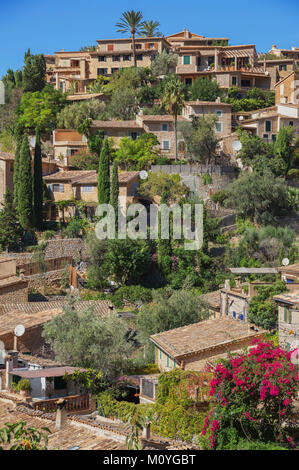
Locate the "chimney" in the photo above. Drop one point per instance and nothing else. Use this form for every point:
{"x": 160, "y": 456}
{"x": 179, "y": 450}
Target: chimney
{"x": 61, "y": 418}
{"x": 218, "y": 99}
{"x": 226, "y": 284}
{"x": 146, "y": 431}
{"x": 274, "y": 46}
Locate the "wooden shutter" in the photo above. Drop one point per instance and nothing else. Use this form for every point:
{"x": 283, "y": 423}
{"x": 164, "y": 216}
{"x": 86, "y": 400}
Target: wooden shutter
{"x": 110, "y": 47}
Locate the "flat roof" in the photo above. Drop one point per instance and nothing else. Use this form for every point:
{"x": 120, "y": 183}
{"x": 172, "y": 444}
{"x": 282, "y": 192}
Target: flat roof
{"x": 46, "y": 372}
{"x": 253, "y": 270}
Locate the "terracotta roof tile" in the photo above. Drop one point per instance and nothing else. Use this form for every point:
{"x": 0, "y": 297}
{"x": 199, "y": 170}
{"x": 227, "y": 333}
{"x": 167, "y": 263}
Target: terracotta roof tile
{"x": 197, "y": 337}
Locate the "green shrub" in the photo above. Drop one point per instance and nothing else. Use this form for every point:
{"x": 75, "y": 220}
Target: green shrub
{"x": 206, "y": 178}
{"x": 48, "y": 234}
{"x": 24, "y": 384}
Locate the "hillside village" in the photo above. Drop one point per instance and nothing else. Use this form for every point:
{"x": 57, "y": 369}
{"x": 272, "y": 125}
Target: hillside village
{"x": 139, "y": 343}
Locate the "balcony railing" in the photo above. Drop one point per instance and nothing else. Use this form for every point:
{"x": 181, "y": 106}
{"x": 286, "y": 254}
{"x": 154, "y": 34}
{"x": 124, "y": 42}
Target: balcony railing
{"x": 73, "y": 403}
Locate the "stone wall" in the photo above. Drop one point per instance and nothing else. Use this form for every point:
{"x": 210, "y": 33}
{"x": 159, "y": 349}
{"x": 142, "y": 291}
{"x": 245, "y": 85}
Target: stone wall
{"x": 49, "y": 279}
{"x": 194, "y": 177}
{"x": 16, "y": 293}
{"x": 58, "y": 248}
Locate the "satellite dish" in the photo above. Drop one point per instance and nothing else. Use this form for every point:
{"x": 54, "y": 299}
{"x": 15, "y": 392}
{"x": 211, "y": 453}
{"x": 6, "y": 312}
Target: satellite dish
{"x": 19, "y": 330}
{"x": 237, "y": 145}
{"x": 285, "y": 261}
{"x": 143, "y": 175}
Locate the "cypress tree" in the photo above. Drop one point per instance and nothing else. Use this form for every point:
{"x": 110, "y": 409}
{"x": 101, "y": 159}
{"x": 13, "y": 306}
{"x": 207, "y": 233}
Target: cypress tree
{"x": 10, "y": 229}
{"x": 104, "y": 175}
{"x": 114, "y": 190}
{"x": 16, "y": 171}
{"x": 38, "y": 183}
{"x": 164, "y": 250}
{"x": 25, "y": 186}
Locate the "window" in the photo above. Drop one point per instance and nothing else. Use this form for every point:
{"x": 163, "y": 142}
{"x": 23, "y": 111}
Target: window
{"x": 165, "y": 144}
{"x": 127, "y": 57}
{"x": 245, "y": 83}
{"x": 188, "y": 81}
{"x": 114, "y": 70}
{"x": 139, "y": 57}
{"x": 134, "y": 135}
{"x": 138, "y": 46}
{"x": 211, "y": 60}
{"x": 73, "y": 151}
{"x": 268, "y": 126}
{"x": 58, "y": 188}
{"x": 219, "y": 113}
{"x": 234, "y": 80}
{"x": 186, "y": 60}
{"x": 102, "y": 58}
{"x": 265, "y": 137}
{"x": 59, "y": 383}
{"x": 291, "y": 123}
{"x": 102, "y": 71}
{"x": 273, "y": 137}
{"x": 151, "y": 45}
{"x": 116, "y": 58}
{"x": 167, "y": 361}
{"x": 282, "y": 67}
{"x": 218, "y": 127}
{"x": 164, "y": 127}
{"x": 87, "y": 189}
{"x": 198, "y": 61}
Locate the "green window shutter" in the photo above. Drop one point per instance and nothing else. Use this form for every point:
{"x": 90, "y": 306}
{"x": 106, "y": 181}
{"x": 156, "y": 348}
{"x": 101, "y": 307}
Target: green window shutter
{"x": 160, "y": 354}
{"x": 186, "y": 59}
{"x": 167, "y": 361}
{"x": 268, "y": 126}
{"x": 288, "y": 347}
{"x": 234, "y": 80}
{"x": 290, "y": 316}
{"x": 174, "y": 364}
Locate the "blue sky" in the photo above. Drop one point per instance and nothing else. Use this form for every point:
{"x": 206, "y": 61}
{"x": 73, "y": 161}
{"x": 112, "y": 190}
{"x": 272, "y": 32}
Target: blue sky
{"x": 47, "y": 26}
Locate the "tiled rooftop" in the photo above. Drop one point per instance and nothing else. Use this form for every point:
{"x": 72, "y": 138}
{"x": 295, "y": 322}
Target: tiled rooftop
{"x": 197, "y": 337}
{"x": 289, "y": 297}
{"x": 116, "y": 124}
{"x": 212, "y": 298}
{"x": 32, "y": 314}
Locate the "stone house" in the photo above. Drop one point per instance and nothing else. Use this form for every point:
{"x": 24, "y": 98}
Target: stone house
{"x": 203, "y": 108}
{"x": 194, "y": 346}
{"x": 81, "y": 185}
{"x": 288, "y": 53}
{"x": 266, "y": 123}
{"x": 67, "y": 142}
{"x": 290, "y": 274}
{"x": 287, "y": 89}
{"x": 12, "y": 287}
{"x": 288, "y": 320}
{"x": 277, "y": 68}
{"x": 7, "y": 171}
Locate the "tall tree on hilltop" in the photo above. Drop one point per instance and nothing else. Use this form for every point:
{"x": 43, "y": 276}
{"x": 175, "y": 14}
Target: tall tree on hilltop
{"x": 173, "y": 101}
{"x": 34, "y": 72}
{"x": 130, "y": 22}
{"x": 114, "y": 191}
{"x": 150, "y": 29}
{"x": 104, "y": 175}
{"x": 25, "y": 186}
{"x": 10, "y": 229}
{"x": 164, "y": 249}
{"x": 38, "y": 183}
{"x": 16, "y": 171}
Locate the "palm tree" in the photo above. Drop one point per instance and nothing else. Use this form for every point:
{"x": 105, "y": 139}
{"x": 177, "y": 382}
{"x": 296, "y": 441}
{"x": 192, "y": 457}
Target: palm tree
{"x": 130, "y": 22}
{"x": 150, "y": 29}
{"x": 173, "y": 101}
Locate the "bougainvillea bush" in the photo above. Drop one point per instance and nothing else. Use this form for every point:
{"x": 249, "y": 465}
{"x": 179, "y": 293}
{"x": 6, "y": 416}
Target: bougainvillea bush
{"x": 254, "y": 393}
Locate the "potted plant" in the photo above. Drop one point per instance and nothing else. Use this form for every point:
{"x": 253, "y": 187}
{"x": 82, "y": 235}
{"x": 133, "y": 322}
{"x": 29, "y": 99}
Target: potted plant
{"x": 24, "y": 387}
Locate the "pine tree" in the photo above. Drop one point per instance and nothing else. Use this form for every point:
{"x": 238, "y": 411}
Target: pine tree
{"x": 114, "y": 190}
{"x": 104, "y": 175}
{"x": 34, "y": 72}
{"x": 38, "y": 183}
{"x": 10, "y": 228}
{"x": 25, "y": 186}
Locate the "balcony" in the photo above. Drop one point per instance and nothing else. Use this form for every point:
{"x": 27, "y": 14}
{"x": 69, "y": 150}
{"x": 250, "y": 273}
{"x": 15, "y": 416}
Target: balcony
{"x": 74, "y": 403}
